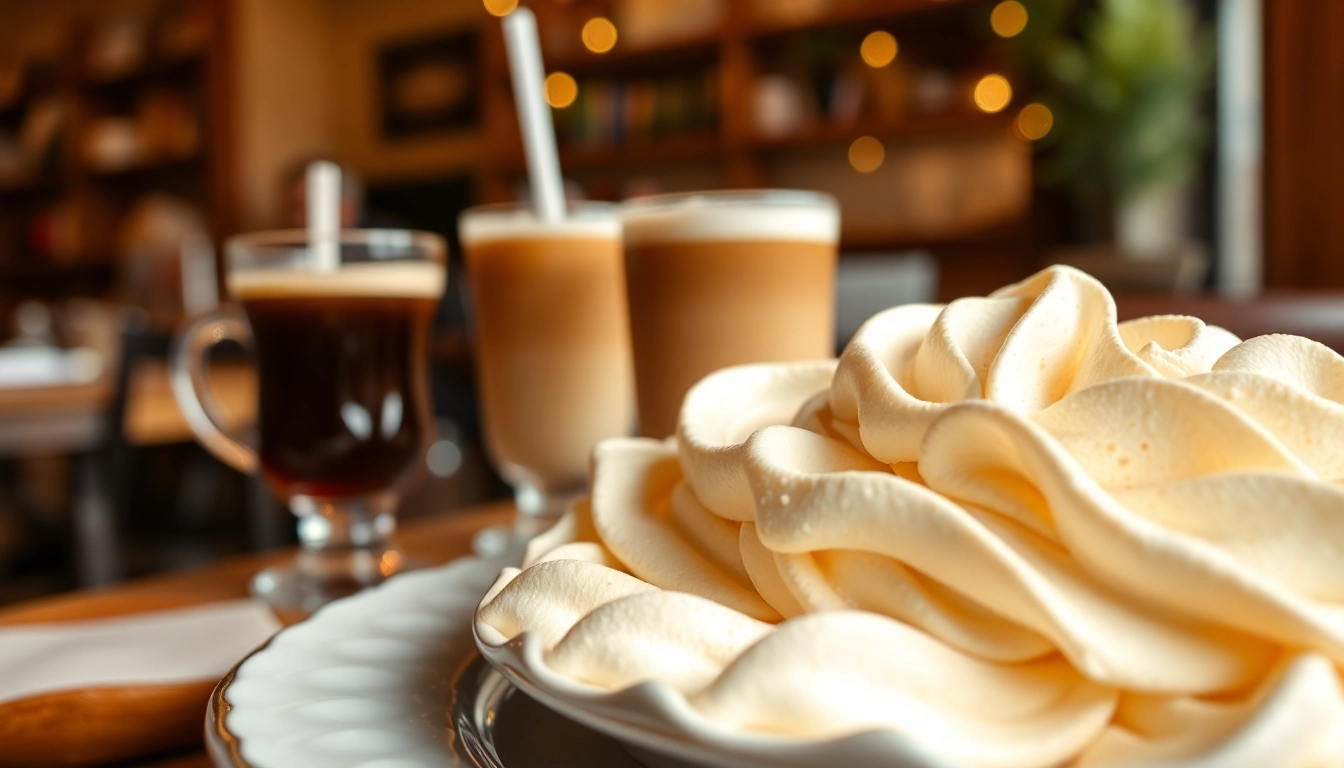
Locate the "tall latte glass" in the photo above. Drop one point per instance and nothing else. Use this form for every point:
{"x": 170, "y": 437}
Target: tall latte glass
{"x": 724, "y": 278}
{"x": 552, "y": 350}
{"x": 340, "y": 341}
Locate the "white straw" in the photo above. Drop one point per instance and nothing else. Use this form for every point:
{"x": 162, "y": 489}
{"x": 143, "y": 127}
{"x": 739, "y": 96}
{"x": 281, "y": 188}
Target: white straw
{"x": 324, "y": 215}
{"x": 534, "y": 116}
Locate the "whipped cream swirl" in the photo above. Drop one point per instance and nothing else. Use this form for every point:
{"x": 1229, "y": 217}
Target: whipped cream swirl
{"x": 1010, "y": 529}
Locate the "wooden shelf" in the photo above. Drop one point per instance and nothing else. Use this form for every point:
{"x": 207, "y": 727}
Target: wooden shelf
{"x": 27, "y": 96}
{"x": 38, "y": 186}
{"x": 707, "y": 146}
{"x": 914, "y": 126}
{"x": 854, "y": 13}
{"x": 681, "y": 55}
{"x": 154, "y": 70}
{"x": 653, "y": 151}
{"x": 1006, "y": 232}
{"x": 101, "y": 267}
{"x": 150, "y": 167}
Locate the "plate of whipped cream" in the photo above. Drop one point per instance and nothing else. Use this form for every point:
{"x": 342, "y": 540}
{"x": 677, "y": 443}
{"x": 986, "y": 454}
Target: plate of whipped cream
{"x": 1006, "y": 532}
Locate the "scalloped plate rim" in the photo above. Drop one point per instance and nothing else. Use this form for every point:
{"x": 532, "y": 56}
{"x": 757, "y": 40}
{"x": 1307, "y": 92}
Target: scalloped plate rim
{"x": 224, "y": 746}
{"x": 665, "y": 722}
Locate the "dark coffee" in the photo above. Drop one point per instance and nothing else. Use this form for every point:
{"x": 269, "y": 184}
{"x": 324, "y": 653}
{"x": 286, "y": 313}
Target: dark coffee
{"x": 343, "y": 407}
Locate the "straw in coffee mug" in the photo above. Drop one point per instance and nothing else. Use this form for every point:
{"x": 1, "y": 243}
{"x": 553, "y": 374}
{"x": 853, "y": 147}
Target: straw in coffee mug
{"x": 324, "y": 215}
{"x": 534, "y": 116}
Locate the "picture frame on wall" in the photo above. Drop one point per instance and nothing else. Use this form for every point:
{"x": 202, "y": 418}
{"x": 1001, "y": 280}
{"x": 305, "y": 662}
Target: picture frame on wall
{"x": 429, "y": 85}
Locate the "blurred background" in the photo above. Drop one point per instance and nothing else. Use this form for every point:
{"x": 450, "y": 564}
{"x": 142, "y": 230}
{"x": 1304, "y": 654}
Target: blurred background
{"x": 1188, "y": 153}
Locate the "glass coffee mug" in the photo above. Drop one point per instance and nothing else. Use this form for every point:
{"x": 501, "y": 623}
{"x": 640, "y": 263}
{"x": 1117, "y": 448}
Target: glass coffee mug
{"x": 343, "y": 410}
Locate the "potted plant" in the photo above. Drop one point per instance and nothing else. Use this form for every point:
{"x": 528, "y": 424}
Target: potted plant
{"x": 1125, "y": 79}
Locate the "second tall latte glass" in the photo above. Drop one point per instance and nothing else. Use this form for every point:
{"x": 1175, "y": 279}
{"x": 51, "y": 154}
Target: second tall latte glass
{"x": 552, "y": 346}
{"x": 725, "y": 278}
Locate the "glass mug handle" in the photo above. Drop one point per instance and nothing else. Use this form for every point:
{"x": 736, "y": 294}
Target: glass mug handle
{"x": 191, "y": 388}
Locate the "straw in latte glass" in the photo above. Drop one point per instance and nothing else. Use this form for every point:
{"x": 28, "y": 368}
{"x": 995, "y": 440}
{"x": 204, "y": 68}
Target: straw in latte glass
{"x": 534, "y": 114}
{"x": 504, "y": 245}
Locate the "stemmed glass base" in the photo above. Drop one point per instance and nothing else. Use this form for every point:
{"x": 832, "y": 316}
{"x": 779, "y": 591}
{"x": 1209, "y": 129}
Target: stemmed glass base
{"x": 537, "y": 511}
{"x": 346, "y": 545}
{"x": 314, "y": 579}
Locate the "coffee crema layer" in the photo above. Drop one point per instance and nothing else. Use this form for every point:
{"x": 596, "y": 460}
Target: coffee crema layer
{"x": 1010, "y": 529}
{"x": 386, "y": 279}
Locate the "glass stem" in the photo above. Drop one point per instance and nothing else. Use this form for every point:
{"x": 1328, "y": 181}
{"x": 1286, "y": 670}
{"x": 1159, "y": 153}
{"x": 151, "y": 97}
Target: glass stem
{"x": 346, "y": 539}
{"x": 544, "y": 506}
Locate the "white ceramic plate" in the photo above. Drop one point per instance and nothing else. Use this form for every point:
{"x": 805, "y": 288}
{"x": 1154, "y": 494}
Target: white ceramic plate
{"x": 657, "y": 718}
{"x": 390, "y": 678}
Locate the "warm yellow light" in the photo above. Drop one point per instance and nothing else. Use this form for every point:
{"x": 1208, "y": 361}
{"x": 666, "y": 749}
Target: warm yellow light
{"x": 599, "y": 35}
{"x": 878, "y": 49}
{"x": 866, "y": 154}
{"x": 561, "y": 90}
{"x": 501, "y": 7}
{"x": 1008, "y": 19}
{"x": 993, "y": 93}
{"x": 1035, "y": 121}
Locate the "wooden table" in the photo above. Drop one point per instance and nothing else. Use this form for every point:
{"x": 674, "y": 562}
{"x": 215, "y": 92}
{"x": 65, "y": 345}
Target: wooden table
{"x": 433, "y": 541}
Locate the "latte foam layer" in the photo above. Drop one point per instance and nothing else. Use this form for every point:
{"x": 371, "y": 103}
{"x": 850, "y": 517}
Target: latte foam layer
{"x": 523, "y": 224}
{"x": 692, "y": 219}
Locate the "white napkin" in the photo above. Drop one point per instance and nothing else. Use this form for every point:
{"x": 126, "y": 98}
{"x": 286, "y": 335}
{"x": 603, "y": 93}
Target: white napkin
{"x": 179, "y": 646}
{"x": 22, "y": 367}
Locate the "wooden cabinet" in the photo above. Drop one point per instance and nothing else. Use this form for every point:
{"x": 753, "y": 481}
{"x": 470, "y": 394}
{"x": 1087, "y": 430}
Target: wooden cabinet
{"x": 788, "y": 95}
{"x": 134, "y": 103}
{"x": 1304, "y": 144}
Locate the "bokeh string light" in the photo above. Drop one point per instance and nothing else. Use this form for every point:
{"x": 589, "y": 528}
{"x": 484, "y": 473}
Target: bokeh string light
{"x": 878, "y": 49}
{"x": 501, "y": 7}
{"x": 866, "y": 154}
{"x": 561, "y": 89}
{"x": 599, "y": 35}
{"x": 1035, "y": 121}
{"x": 1008, "y": 18}
{"x": 993, "y": 93}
